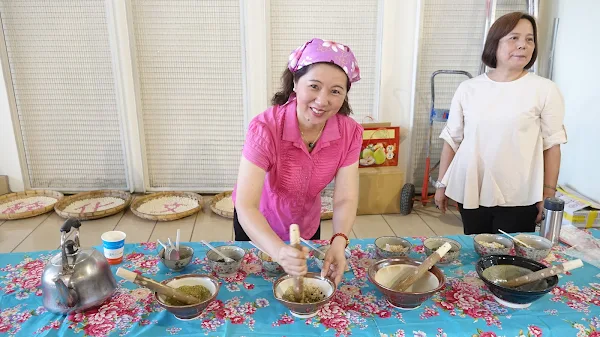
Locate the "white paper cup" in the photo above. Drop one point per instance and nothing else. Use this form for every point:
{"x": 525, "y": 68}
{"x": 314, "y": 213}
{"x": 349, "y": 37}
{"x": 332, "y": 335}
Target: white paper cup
{"x": 114, "y": 244}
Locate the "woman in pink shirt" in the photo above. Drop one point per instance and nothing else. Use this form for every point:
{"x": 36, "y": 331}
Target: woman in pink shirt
{"x": 293, "y": 150}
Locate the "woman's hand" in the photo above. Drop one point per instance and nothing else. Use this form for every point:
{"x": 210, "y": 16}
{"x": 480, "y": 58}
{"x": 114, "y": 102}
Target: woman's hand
{"x": 334, "y": 264}
{"x": 540, "y": 207}
{"x": 441, "y": 200}
{"x": 292, "y": 260}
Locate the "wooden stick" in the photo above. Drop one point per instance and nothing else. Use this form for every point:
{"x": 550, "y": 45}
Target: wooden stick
{"x": 515, "y": 239}
{"x": 542, "y": 274}
{"x": 295, "y": 242}
{"x": 160, "y": 288}
{"x": 402, "y": 283}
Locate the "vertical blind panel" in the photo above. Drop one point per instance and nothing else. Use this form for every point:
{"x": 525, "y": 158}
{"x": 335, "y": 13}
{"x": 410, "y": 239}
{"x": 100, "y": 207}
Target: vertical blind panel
{"x": 61, "y": 72}
{"x": 508, "y": 6}
{"x": 451, "y": 39}
{"x": 189, "y": 61}
{"x": 349, "y": 22}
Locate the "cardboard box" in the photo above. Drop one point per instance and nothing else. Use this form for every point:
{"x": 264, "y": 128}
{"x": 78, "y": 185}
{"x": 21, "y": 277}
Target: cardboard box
{"x": 4, "y": 188}
{"x": 379, "y": 190}
{"x": 579, "y": 211}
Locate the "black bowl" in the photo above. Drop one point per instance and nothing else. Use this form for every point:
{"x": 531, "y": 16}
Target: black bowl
{"x": 522, "y": 296}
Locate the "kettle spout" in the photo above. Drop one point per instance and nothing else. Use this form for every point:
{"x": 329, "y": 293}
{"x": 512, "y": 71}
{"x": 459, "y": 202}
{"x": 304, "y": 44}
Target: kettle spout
{"x": 66, "y": 295}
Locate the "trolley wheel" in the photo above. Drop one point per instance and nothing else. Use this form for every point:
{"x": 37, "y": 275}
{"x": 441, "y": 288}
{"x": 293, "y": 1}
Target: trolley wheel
{"x": 407, "y": 198}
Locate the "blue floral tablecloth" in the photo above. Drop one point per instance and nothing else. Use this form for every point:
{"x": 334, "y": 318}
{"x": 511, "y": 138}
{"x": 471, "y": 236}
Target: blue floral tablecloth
{"x": 245, "y": 305}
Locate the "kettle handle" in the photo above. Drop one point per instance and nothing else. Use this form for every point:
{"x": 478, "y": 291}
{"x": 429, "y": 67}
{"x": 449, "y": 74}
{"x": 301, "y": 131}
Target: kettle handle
{"x": 70, "y": 222}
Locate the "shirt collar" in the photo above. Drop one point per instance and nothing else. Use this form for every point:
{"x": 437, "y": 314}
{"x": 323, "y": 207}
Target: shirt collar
{"x": 291, "y": 128}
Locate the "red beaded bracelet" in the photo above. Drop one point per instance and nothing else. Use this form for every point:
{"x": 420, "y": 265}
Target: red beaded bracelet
{"x": 340, "y": 234}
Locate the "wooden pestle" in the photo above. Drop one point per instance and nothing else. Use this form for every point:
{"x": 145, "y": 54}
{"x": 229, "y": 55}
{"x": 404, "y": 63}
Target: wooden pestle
{"x": 156, "y": 286}
{"x": 401, "y": 283}
{"x": 295, "y": 242}
{"x": 542, "y": 274}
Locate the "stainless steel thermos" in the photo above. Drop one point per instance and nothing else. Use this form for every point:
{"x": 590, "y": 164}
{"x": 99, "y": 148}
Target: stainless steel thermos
{"x": 553, "y": 214}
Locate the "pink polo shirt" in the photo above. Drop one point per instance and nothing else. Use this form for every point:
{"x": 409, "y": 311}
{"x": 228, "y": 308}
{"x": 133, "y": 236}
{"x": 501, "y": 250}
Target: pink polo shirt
{"x": 296, "y": 177}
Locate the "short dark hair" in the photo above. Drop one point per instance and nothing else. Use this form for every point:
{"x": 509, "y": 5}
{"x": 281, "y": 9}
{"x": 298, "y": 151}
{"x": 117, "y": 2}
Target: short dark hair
{"x": 287, "y": 87}
{"x": 504, "y": 25}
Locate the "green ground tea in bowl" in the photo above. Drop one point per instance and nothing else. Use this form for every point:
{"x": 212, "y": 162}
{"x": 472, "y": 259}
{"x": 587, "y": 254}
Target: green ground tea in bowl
{"x": 198, "y": 291}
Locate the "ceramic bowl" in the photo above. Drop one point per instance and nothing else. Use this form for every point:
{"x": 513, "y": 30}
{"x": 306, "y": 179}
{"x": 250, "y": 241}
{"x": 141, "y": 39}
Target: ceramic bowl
{"x": 432, "y": 244}
{"x": 385, "y": 244}
{"x": 192, "y": 311}
{"x": 540, "y": 246}
{"x": 382, "y": 273}
{"x": 520, "y": 297}
{"x": 304, "y": 310}
{"x": 481, "y": 240}
{"x": 270, "y": 267}
{"x": 185, "y": 257}
{"x": 218, "y": 264}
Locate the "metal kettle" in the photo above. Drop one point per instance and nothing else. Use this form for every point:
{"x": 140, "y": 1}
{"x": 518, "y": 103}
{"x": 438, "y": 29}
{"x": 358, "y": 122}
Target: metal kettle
{"x": 76, "y": 279}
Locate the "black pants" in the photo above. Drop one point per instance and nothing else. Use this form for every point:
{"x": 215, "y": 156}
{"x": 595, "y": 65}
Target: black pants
{"x": 240, "y": 234}
{"x": 490, "y": 219}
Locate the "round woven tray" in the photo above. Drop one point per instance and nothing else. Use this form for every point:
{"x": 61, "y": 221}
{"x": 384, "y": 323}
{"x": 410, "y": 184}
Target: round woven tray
{"x": 326, "y": 215}
{"x": 221, "y": 212}
{"x": 28, "y": 194}
{"x": 166, "y": 217}
{"x": 60, "y": 206}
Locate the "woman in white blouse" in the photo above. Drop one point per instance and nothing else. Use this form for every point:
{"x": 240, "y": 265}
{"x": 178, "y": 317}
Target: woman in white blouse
{"x": 501, "y": 154}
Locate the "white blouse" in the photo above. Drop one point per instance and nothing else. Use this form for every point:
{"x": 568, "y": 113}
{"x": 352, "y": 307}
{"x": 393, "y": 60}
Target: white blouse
{"x": 499, "y": 131}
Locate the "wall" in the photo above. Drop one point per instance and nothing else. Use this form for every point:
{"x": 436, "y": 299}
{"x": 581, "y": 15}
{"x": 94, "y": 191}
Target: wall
{"x": 576, "y": 71}
{"x": 9, "y": 155}
{"x": 397, "y": 65}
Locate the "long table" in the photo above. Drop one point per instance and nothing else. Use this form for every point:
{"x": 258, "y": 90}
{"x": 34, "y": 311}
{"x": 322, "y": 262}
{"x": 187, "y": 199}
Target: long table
{"x": 246, "y": 307}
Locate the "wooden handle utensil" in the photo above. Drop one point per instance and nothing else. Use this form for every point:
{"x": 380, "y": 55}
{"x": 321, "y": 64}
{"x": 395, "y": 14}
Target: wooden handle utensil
{"x": 542, "y": 274}
{"x": 153, "y": 285}
{"x": 295, "y": 242}
{"x": 402, "y": 282}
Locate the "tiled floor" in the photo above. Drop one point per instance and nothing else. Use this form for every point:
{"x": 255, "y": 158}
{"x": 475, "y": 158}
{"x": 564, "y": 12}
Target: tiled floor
{"x": 42, "y": 232}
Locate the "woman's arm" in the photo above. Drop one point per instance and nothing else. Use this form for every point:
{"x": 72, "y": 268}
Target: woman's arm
{"x": 345, "y": 200}
{"x": 551, "y": 169}
{"x": 441, "y": 200}
{"x": 452, "y": 134}
{"x": 251, "y": 179}
{"x": 345, "y": 203}
{"x": 445, "y": 160}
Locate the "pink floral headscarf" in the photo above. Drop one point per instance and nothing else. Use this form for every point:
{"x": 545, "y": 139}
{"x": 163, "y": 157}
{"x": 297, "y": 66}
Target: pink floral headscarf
{"x": 317, "y": 50}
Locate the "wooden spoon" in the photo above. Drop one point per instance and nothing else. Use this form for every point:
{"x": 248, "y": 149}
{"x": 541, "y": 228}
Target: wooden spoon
{"x": 401, "y": 283}
{"x": 298, "y": 280}
{"x": 153, "y": 285}
{"x": 542, "y": 274}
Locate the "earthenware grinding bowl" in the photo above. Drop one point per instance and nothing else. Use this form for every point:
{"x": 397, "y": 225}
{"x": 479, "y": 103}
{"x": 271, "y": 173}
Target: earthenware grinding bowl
{"x": 192, "y": 311}
{"x": 304, "y": 310}
{"x": 519, "y": 297}
{"x": 382, "y": 273}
